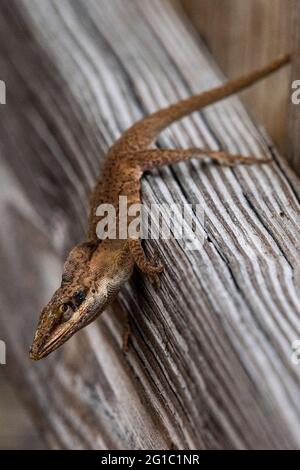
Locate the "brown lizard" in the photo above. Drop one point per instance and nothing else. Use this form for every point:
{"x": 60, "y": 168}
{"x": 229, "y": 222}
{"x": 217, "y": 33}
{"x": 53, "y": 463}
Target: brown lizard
{"x": 96, "y": 269}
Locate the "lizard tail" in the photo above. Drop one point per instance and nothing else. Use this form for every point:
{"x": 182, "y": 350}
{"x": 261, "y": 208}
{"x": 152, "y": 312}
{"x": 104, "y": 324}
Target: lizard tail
{"x": 189, "y": 105}
{"x": 146, "y": 130}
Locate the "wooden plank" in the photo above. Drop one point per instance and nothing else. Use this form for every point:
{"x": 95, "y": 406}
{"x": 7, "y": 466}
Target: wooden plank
{"x": 209, "y": 364}
{"x": 243, "y": 35}
{"x": 294, "y": 109}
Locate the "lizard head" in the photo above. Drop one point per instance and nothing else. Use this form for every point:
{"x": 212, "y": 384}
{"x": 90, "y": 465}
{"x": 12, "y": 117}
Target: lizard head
{"x": 93, "y": 275}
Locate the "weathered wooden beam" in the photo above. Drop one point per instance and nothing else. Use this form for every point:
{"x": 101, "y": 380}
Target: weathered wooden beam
{"x": 294, "y": 108}
{"x": 209, "y": 364}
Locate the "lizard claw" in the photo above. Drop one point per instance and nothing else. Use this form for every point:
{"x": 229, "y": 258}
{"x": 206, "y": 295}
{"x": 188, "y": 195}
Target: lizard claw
{"x": 156, "y": 262}
{"x": 154, "y": 269}
{"x": 155, "y": 281}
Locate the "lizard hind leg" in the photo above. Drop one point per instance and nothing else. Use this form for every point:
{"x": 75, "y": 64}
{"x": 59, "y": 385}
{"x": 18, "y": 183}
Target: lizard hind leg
{"x": 148, "y": 159}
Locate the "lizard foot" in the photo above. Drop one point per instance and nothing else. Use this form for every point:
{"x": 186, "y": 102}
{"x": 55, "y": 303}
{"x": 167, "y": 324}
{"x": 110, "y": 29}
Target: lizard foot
{"x": 155, "y": 268}
{"x": 228, "y": 159}
{"x": 151, "y": 268}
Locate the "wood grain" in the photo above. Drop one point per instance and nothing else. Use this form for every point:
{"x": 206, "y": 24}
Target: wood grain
{"x": 209, "y": 365}
{"x": 243, "y": 35}
{"x": 294, "y": 109}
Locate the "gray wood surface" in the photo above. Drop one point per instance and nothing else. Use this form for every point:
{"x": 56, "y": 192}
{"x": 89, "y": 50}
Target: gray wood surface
{"x": 294, "y": 109}
{"x": 209, "y": 364}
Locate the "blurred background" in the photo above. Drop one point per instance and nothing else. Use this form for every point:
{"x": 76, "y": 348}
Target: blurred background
{"x": 241, "y": 36}
{"x": 16, "y": 428}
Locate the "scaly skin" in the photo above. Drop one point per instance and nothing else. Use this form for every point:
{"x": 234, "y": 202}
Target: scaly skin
{"x": 95, "y": 270}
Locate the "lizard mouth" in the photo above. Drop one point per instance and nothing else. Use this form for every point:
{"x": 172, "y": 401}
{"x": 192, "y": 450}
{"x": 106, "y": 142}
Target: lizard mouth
{"x": 62, "y": 332}
{"x": 59, "y": 336}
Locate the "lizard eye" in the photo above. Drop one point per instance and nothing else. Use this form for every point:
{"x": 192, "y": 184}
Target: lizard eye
{"x": 66, "y": 311}
{"x": 63, "y": 308}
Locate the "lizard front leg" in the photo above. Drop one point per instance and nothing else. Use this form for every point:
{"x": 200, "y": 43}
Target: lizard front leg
{"x": 151, "y": 268}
